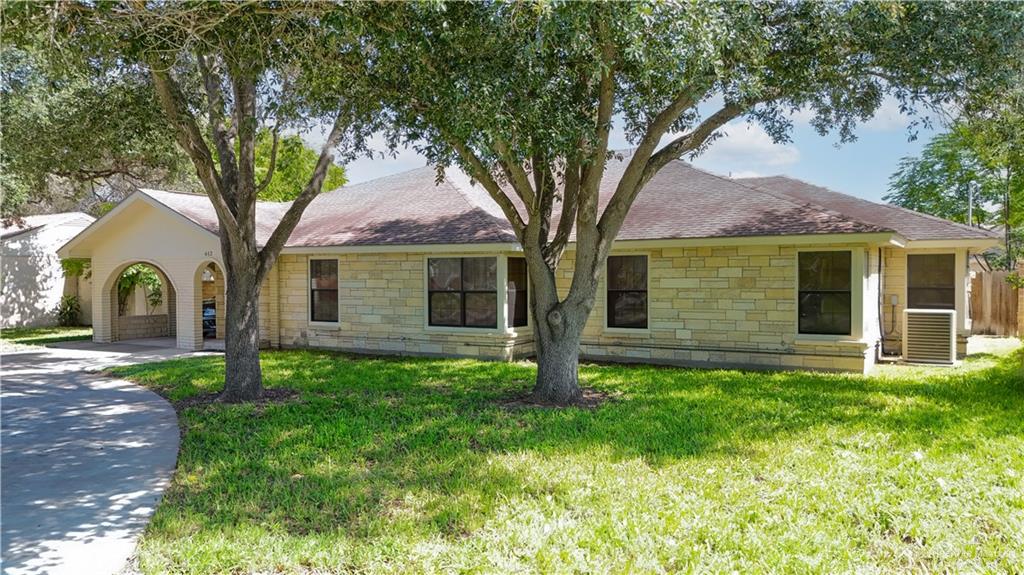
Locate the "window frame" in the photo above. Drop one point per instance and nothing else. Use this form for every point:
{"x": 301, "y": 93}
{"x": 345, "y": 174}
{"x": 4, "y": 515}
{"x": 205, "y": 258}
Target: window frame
{"x": 309, "y": 293}
{"x": 498, "y": 295}
{"x": 641, "y": 331}
{"x": 952, "y": 288}
{"x": 855, "y": 294}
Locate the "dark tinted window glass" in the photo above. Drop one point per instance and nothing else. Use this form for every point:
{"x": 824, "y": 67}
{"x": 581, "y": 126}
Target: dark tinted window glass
{"x": 517, "y": 292}
{"x": 323, "y": 290}
{"x": 481, "y": 309}
{"x": 445, "y": 274}
{"x": 627, "y": 291}
{"x": 824, "y": 305}
{"x": 479, "y": 274}
{"x": 462, "y": 292}
{"x": 931, "y": 281}
{"x": 446, "y": 308}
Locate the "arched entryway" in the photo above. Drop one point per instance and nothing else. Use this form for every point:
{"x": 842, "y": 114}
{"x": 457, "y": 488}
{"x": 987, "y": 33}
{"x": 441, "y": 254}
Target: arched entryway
{"x": 209, "y": 284}
{"x": 142, "y": 303}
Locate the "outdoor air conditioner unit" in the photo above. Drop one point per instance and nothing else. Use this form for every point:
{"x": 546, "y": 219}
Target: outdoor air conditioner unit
{"x": 929, "y": 336}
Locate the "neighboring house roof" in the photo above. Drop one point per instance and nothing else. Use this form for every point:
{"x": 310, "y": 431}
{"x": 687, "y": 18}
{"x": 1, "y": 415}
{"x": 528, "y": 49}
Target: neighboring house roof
{"x": 680, "y": 202}
{"x": 29, "y": 223}
{"x": 908, "y": 223}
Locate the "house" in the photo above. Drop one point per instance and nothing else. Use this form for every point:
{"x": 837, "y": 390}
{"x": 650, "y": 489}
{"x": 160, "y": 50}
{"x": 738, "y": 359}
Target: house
{"x": 766, "y": 273}
{"x": 32, "y": 281}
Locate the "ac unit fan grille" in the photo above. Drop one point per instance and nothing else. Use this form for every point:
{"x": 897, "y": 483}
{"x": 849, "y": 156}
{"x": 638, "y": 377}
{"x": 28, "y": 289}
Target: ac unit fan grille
{"x": 930, "y": 337}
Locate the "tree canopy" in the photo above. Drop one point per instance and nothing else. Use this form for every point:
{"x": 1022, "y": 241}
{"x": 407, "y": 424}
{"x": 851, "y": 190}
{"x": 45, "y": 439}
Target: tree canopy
{"x": 214, "y": 77}
{"x": 523, "y": 96}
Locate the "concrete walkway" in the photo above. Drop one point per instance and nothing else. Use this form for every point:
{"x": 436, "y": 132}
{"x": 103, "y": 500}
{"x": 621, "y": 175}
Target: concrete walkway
{"x": 85, "y": 458}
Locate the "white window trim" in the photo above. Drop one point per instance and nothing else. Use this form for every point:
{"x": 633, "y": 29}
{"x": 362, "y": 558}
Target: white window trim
{"x": 501, "y": 279}
{"x": 857, "y": 287}
{"x": 603, "y": 286}
{"x": 309, "y": 295}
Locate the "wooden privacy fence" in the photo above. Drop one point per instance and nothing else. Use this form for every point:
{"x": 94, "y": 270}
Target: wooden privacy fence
{"x": 994, "y": 304}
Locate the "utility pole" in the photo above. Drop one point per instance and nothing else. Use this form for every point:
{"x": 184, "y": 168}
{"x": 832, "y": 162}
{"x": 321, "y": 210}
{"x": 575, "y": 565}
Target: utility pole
{"x": 970, "y": 203}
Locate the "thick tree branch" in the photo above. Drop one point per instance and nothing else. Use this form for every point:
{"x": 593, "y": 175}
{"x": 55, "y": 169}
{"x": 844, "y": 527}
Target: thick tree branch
{"x": 190, "y": 138}
{"x": 276, "y": 135}
{"x": 517, "y": 176}
{"x": 219, "y": 132}
{"x": 570, "y": 197}
{"x": 615, "y": 213}
{"x": 268, "y": 254}
{"x": 691, "y": 140}
{"x": 481, "y": 174}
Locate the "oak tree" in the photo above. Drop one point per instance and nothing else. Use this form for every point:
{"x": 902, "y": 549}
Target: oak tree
{"x": 523, "y": 96}
{"x": 217, "y": 75}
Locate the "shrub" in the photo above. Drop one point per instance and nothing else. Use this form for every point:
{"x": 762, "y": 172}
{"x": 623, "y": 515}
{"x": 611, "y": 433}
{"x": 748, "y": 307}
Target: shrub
{"x": 68, "y": 310}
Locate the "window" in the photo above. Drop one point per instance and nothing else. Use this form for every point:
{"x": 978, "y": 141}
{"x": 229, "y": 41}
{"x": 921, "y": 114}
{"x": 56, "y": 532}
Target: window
{"x": 517, "y": 293}
{"x": 824, "y": 298}
{"x": 627, "y": 292}
{"x": 462, "y": 292}
{"x": 931, "y": 281}
{"x": 323, "y": 290}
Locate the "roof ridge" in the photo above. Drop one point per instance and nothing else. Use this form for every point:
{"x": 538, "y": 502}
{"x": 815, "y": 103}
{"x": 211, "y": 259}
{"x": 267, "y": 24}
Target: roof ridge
{"x": 786, "y": 198}
{"x": 880, "y": 204}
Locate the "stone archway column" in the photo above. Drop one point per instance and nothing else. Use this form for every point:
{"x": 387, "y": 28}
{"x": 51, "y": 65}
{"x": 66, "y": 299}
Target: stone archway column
{"x": 103, "y": 312}
{"x": 189, "y": 325}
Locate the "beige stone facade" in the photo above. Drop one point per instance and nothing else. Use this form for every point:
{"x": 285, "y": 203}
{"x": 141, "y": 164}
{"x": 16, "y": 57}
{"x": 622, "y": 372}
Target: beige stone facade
{"x": 722, "y": 302}
{"x": 382, "y": 302}
{"x": 894, "y": 286}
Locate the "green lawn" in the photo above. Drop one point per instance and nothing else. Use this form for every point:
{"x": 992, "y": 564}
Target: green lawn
{"x": 44, "y": 335}
{"x": 413, "y": 466}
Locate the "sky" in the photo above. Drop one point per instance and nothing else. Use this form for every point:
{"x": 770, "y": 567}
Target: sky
{"x": 860, "y": 168}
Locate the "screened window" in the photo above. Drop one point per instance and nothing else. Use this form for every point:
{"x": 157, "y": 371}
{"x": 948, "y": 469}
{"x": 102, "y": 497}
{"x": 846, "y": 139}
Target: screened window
{"x": 824, "y": 293}
{"x": 931, "y": 281}
{"x": 627, "y": 291}
{"x": 462, "y": 292}
{"x": 517, "y": 292}
{"x": 323, "y": 290}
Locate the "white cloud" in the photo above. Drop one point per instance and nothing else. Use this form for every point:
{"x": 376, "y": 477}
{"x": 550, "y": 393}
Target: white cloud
{"x": 888, "y": 117}
{"x": 745, "y": 145}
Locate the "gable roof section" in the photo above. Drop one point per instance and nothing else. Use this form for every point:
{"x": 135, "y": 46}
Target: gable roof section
{"x": 146, "y": 196}
{"x": 912, "y": 225}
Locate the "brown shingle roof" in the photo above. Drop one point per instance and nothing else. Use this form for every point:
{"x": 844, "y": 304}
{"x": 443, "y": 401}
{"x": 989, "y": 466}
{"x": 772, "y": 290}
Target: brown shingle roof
{"x": 681, "y": 201}
{"x": 908, "y": 223}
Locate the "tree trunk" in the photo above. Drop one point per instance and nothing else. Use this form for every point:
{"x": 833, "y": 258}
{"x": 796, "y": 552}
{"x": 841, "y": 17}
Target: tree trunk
{"x": 557, "y": 368}
{"x": 558, "y": 326}
{"x": 243, "y": 378}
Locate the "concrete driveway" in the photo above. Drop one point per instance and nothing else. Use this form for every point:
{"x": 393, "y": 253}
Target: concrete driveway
{"x": 85, "y": 458}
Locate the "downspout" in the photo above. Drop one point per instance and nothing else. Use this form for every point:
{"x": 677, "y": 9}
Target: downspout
{"x": 880, "y": 344}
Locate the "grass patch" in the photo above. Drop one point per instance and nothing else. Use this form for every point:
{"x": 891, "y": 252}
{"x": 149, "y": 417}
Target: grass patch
{"x": 414, "y": 466}
{"x": 44, "y": 335}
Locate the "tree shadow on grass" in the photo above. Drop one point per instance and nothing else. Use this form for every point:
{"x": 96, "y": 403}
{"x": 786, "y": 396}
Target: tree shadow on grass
{"x": 373, "y": 444}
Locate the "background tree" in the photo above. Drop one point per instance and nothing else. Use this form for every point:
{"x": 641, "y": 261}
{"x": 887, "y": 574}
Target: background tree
{"x": 523, "y": 97}
{"x": 218, "y": 73}
{"x": 943, "y": 179}
{"x": 80, "y": 138}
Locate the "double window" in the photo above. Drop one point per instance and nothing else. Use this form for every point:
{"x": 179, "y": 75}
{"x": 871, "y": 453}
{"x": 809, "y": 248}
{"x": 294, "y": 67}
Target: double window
{"x": 462, "y": 292}
{"x": 323, "y": 291}
{"x": 627, "y": 292}
{"x": 931, "y": 281}
{"x": 824, "y": 299}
